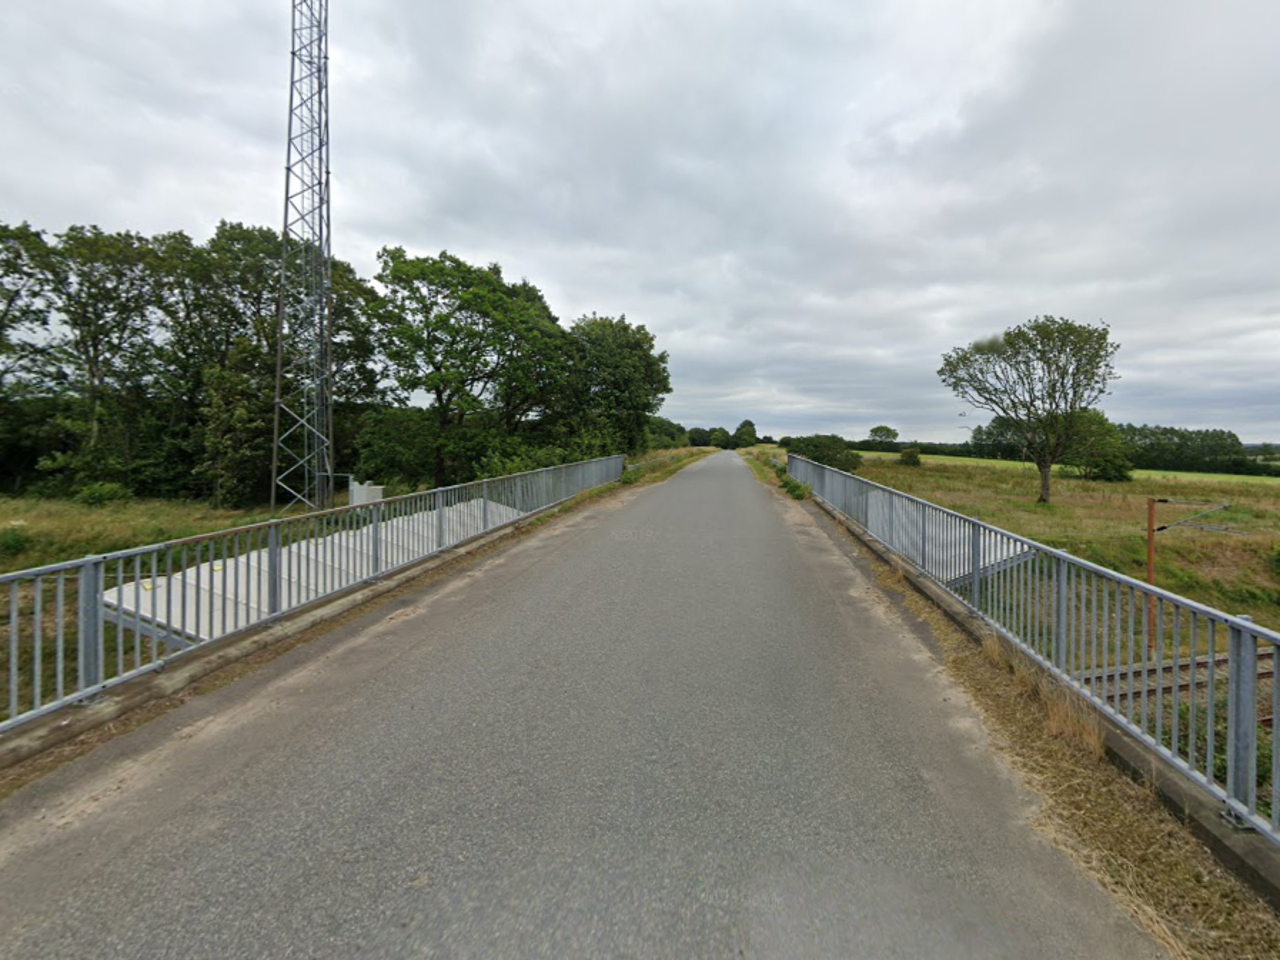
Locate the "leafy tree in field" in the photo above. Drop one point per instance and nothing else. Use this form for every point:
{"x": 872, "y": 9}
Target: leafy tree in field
{"x": 745, "y": 435}
{"x": 722, "y": 438}
{"x": 620, "y": 379}
{"x": 1041, "y": 377}
{"x": 1097, "y": 450}
{"x": 883, "y": 438}
{"x": 910, "y": 457}
{"x": 699, "y": 437}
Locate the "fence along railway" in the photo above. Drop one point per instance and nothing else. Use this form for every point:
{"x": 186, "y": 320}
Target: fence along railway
{"x": 1195, "y": 685}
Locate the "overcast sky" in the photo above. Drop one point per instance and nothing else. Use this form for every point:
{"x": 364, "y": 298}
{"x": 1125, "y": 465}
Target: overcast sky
{"x": 807, "y": 201}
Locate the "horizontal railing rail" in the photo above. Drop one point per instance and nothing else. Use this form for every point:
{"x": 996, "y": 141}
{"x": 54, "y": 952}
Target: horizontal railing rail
{"x": 1196, "y": 685}
{"x": 73, "y": 630}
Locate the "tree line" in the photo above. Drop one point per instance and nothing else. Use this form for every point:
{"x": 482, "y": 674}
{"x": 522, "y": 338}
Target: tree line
{"x": 149, "y": 363}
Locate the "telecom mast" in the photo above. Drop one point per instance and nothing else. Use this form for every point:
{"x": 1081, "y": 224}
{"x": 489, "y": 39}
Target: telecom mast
{"x": 302, "y": 458}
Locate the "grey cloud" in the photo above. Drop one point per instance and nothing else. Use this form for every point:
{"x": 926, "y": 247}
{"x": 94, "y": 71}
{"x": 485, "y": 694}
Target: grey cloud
{"x": 808, "y": 203}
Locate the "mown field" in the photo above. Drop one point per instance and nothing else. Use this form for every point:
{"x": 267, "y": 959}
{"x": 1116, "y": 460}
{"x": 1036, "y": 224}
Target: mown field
{"x": 1236, "y": 571}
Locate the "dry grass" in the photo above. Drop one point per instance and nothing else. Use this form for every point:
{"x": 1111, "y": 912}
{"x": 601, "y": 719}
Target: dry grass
{"x": 1106, "y": 523}
{"x": 1115, "y": 828}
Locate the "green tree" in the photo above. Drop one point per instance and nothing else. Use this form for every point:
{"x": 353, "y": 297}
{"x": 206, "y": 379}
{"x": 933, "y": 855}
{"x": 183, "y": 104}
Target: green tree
{"x": 443, "y": 328}
{"x": 997, "y": 440}
{"x": 722, "y": 438}
{"x": 699, "y": 437}
{"x": 22, "y": 302}
{"x": 1040, "y": 376}
{"x": 883, "y": 438}
{"x": 99, "y": 291}
{"x": 745, "y": 435}
{"x": 620, "y": 379}
{"x": 1097, "y": 450}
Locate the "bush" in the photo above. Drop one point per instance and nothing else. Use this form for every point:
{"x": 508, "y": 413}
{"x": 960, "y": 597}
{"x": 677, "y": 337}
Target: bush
{"x": 14, "y": 539}
{"x": 827, "y": 449}
{"x": 910, "y": 457}
{"x": 798, "y": 490}
{"x": 98, "y": 494}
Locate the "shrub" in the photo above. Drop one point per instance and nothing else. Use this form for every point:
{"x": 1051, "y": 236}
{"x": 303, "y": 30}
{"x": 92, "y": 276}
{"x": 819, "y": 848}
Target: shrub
{"x": 798, "y": 490}
{"x": 14, "y": 539}
{"x": 910, "y": 457}
{"x": 98, "y": 494}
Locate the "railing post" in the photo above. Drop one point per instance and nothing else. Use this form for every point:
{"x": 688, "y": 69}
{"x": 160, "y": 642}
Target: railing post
{"x": 89, "y": 625}
{"x": 273, "y": 569}
{"x": 439, "y": 520}
{"x": 975, "y": 559}
{"x": 1242, "y": 717}
{"x": 377, "y": 539}
{"x": 484, "y": 506}
{"x": 1060, "y": 613}
{"x": 924, "y": 538}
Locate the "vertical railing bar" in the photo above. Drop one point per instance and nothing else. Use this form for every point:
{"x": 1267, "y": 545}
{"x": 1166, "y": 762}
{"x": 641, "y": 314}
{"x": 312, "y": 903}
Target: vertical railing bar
{"x": 1192, "y": 689}
{"x": 1159, "y": 692}
{"x": 1177, "y": 676}
{"x": 60, "y": 654}
{"x": 14, "y": 648}
{"x": 37, "y": 641}
{"x": 1211, "y": 721}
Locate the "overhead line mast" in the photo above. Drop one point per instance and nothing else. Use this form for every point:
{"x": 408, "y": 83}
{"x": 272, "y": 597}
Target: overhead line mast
{"x": 302, "y": 455}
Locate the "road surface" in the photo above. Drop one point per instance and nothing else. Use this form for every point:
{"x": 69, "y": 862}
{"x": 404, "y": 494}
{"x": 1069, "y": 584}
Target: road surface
{"x": 677, "y": 724}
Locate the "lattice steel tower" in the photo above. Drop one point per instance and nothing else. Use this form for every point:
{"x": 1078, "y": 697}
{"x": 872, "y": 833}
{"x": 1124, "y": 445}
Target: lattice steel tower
{"x": 302, "y": 459}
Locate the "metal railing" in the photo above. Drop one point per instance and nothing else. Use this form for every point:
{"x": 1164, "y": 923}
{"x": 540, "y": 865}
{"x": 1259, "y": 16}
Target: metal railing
{"x": 1195, "y": 685}
{"x": 72, "y": 630}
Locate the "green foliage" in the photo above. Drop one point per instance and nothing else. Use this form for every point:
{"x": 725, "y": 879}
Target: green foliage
{"x": 1275, "y": 560}
{"x": 797, "y": 490}
{"x": 1040, "y": 377}
{"x": 827, "y": 449}
{"x": 910, "y": 457}
{"x": 14, "y": 539}
{"x": 745, "y": 435}
{"x": 699, "y": 437}
{"x": 618, "y": 380}
{"x": 102, "y": 493}
{"x": 152, "y": 362}
{"x": 1097, "y": 450}
{"x": 722, "y": 438}
{"x": 664, "y": 434}
{"x": 883, "y": 438}
{"x": 1176, "y": 448}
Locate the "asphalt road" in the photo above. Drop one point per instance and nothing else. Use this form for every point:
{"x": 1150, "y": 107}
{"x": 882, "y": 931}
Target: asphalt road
{"x": 679, "y": 724}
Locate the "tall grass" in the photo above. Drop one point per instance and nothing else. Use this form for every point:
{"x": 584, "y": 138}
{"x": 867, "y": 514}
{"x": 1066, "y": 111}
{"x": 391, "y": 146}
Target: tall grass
{"x": 35, "y": 532}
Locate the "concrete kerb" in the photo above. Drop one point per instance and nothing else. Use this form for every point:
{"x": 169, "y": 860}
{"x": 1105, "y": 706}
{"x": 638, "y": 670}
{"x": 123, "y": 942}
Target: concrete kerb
{"x": 173, "y": 677}
{"x": 1250, "y": 857}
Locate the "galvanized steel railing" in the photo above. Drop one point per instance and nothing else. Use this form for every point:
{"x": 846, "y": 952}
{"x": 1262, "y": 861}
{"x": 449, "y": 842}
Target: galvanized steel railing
{"x": 1194, "y": 684}
{"x": 75, "y": 629}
